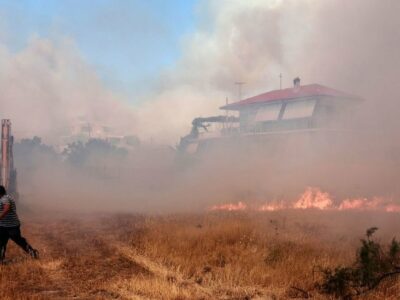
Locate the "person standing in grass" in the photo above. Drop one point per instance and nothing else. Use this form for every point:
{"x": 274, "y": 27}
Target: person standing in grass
{"x": 10, "y": 226}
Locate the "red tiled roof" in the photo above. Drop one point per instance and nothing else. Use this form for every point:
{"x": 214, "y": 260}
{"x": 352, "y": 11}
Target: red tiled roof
{"x": 290, "y": 94}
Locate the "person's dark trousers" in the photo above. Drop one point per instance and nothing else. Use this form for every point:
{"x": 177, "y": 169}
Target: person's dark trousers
{"x": 3, "y": 243}
{"x": 13, "y": 233}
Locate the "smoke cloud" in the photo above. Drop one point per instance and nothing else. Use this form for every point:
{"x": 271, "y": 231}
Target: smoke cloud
{"x": 348, "y": 45}
{"x": 47, "y": 88}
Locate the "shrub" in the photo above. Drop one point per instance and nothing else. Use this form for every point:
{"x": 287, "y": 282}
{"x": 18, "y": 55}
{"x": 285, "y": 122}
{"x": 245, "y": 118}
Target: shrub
{"x": 373, "y": 264}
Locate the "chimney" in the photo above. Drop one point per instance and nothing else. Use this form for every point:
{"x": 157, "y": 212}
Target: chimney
{"x": 296, "y": 82}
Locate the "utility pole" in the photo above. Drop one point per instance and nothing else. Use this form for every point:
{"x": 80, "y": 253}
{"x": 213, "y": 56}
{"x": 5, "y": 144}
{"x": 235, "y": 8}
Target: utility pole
{"x": 280, "y": 81}
{"x": 8, "y": 174}
{"x": 239, "y": 84}
{"x": 5, "y": 152}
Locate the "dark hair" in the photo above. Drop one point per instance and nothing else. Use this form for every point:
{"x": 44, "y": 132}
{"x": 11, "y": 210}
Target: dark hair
{"x": 2, "y": 190}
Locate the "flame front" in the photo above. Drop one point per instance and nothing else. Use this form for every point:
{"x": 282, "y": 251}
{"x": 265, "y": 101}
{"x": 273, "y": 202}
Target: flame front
{"x": 230, "y": 206}
{"x": 314, "y": 198}
{"x": 272, "y": 206}
{"x": 376, "y": 203}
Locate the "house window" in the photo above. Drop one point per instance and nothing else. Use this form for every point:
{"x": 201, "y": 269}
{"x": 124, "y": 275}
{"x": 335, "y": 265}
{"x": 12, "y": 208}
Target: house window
{"x": 268, "y": 113}
{"x": 299, "y": 109}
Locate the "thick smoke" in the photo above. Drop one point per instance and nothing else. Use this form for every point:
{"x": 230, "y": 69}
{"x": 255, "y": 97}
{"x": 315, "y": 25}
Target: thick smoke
{"x": 47, "y": 88}
{"x": 348, "y": 45}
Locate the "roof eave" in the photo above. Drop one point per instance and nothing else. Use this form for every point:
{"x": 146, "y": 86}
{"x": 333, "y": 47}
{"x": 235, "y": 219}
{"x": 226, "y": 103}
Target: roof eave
{"x": 241, "y": 104}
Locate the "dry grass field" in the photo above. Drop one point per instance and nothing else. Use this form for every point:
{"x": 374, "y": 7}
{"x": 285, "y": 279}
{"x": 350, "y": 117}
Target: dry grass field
{"x": 198, "y": 256}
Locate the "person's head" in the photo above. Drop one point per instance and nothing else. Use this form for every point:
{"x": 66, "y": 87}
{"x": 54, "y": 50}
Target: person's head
{"x": 2, "y": 191}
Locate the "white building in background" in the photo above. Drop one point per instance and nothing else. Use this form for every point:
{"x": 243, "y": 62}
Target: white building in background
{"x": 83, "y": 131}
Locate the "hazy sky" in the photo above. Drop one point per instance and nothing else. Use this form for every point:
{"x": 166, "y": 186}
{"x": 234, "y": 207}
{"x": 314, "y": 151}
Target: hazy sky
{"x": 127, "y": 42}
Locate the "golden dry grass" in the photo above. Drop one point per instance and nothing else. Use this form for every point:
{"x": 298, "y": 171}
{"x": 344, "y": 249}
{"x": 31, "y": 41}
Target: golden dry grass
{"x": 198, "y": 256}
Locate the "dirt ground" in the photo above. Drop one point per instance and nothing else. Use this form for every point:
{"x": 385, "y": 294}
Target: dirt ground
{"x": 196, "y": 256}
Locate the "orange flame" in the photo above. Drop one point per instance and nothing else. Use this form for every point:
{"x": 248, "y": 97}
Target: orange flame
{"x": 314, "y": 198}
{"x": 376, "y": 203}
{"x": 230, "y": 206}
{"x": 272, "y": 207}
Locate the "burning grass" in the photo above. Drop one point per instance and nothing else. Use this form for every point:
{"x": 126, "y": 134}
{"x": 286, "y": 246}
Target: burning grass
{"x": 315, "y": 198}
{"x": 232, "y": 255}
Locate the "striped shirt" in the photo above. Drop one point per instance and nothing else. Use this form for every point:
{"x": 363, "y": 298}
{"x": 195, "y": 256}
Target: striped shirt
{"x": 11, "y": 218}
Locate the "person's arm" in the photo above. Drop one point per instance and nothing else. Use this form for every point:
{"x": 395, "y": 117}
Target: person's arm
{"x": 6, "y": 209}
